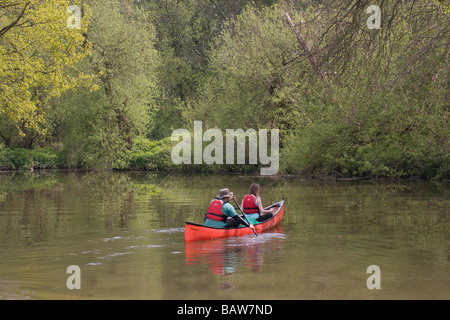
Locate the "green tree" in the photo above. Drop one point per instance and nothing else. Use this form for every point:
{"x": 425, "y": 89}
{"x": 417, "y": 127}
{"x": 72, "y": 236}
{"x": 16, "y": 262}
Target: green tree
{"x": 348, "y": 100}
{"x": 99, "y": 126}
{"x": 255, "y": 70}
{"x": 39, "y": 56}
{"x": 387, "y": 90}
{"x": 186, "y": 30}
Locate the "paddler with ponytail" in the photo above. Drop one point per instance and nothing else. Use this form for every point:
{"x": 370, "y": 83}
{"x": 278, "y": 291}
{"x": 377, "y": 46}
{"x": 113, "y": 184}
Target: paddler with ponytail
{"x": 221, "y": 214}
{"x": 252, "y": 205}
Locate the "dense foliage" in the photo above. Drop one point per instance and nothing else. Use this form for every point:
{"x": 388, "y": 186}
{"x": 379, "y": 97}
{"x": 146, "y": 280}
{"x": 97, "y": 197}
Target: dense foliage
{"x": 349, "y": 100}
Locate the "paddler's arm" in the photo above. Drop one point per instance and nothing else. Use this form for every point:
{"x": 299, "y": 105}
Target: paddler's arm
{"x": 231, "y": 212}
{"x": 243, "y": 220}
{"x": 261, "y": 208}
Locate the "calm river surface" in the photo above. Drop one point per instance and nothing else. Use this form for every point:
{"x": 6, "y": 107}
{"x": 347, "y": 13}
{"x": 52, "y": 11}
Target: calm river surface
{"x": 125, "y": 232}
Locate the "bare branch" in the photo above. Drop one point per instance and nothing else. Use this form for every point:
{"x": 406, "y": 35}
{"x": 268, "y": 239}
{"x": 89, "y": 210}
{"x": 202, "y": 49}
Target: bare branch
{"x": 15, "y": 22}
{"x": 304, "y": 45}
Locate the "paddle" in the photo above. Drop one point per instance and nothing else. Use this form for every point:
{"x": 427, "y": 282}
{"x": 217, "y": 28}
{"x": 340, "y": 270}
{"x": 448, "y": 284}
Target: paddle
{"x": 246, "y": 219}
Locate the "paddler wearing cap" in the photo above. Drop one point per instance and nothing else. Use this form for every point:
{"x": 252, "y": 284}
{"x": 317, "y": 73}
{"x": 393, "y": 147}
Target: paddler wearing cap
{"x": 221, "y": 213}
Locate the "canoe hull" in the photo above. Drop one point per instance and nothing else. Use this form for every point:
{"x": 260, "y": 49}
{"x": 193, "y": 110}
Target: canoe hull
{"x": 197, "y": 232}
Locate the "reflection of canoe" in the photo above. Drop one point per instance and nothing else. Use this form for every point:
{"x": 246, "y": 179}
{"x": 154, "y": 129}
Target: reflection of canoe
{"x": 225, "y": 255}
{"x": 195, "y": 232}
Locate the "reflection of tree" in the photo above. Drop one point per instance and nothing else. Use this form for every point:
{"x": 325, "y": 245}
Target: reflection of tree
{"x": 44, "y": 205}
{"x": 225, "y": 255}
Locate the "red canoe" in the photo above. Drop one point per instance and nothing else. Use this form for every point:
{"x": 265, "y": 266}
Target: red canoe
{"x": 196, "y": 232}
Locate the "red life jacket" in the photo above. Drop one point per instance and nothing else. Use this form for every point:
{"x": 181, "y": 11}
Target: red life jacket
{"x": 215, "y": 211}
{"x": 249, "y": 205}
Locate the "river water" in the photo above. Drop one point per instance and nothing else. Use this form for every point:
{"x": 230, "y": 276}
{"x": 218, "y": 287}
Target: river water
{"x": 125, "y": 233}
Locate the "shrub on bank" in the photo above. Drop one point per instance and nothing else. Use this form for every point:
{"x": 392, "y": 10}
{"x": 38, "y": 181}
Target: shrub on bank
{"x": 18, "y": 158}
{"x": 368, "y": 161}
{"x": 150, "y": 155}
{"x": 156, "y": 155}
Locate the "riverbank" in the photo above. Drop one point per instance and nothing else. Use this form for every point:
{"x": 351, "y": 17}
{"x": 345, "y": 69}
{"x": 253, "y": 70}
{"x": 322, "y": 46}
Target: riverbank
{"x": 156, "y": 157}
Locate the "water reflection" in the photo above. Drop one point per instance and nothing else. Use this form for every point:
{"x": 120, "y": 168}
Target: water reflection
{"x": 226, "y": 255}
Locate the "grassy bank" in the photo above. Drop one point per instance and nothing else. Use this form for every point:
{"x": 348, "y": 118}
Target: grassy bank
{"x": 18, "y": 158}
{"x": 144, "y": 156}
{"x": 156, "y": 156}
